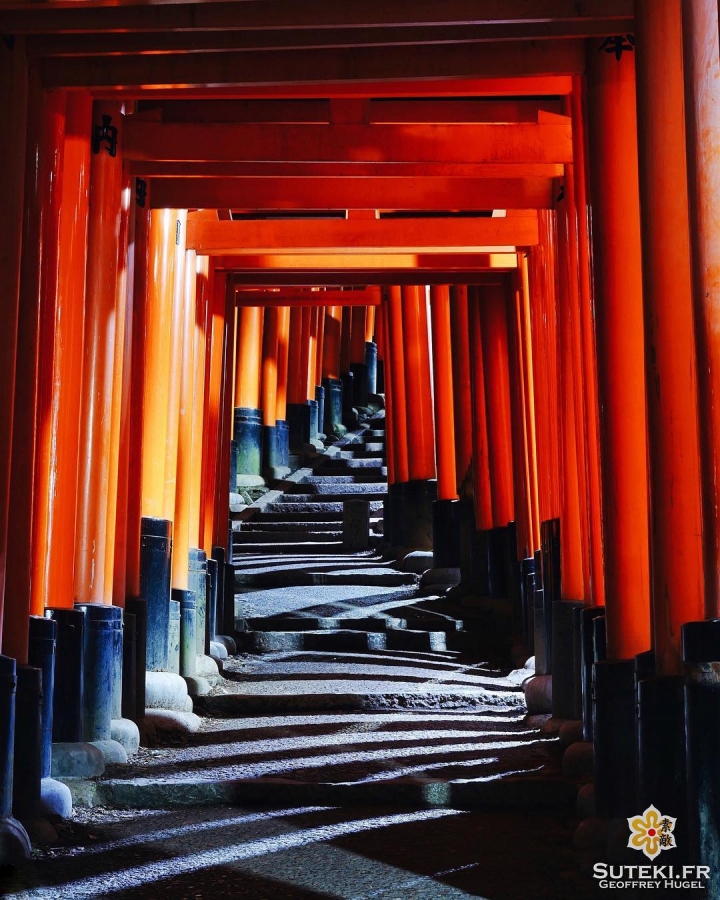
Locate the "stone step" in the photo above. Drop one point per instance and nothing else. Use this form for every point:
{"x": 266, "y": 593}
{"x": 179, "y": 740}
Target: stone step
{"x": 253, "y": 525}
{"x": 327, "y": 497}
{"x": 340, "y": 488}
{"x": 322, "y": 623}
{"x": 348, "y": 462}
{"x": 298, "y": 546}
{"x": 518, "y": 792}
{"x": 313, "y": 508}
{"x": 302, "y": 536}
{"x": 281, "y": 514}
{"x": 359, "y": 477}
{"x": 301, "y": 578}
{"x": 342, "y": 641}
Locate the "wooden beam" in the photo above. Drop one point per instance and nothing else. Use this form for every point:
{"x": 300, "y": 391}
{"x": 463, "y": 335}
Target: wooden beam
{"x": 328, "y": 266}
{"x": 140, "y": 42}
{"x": 335, "y": 279}
{"x": 549, "y": 141}
{"x": 352, "y": 193}
{"x": 370, "y": 296}
{"x": 222, "y": 69}
{"x": 362, "y": 235}
{"x": 114, "y": 16}
{"x": 288, "y": 170}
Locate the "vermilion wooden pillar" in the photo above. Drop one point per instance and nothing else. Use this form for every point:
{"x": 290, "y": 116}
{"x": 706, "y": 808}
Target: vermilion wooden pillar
{"x": 120, "y": 365}
{"x": 184, "y": 480}
{"x": 282, "y": 363}
{"x": 295, "y": 382}
{"x": 421, "y": 449}
{"x": 200, "y": 326}
{"x": 270, "y": 365}
{"x": 396, "y": 358}
{"x": 214, "y": 369}
{"x": 331, "y": 344}
{"x": 305, "y": 354}
{"x": 357, "y": 334}
{"x": 676, "y": 530}
{"x": 702, "y": 85}
{"x": 517, "y": 407}
{"x": 482, "y": 489}
{"x": 248, "y": 357}
{"x": 346, "y": 339}
{"x": 370, "y": 328}
{"x": 222, "y": 480}
{"x": 13, "y": 109}
{"x": 462, "y": 388}
{"x": 620, "y": 347}
{"x": 574, "y": 552}
{"x": 493, "y": 319}
{"x": 527, "y": 352}
{"x": 443, "y": 393}
{"x": 156, "y": 387}
{"x": 312, "y": 350}
{"x": 579, "y": 200}
{"x": 384, "y": 354}
{"x": 137, "y": 401}
{"x": 320, "y": 349}
{"x": 543, "y": 284}
{"x": 175, "y": 365}
{"x": 38, "y": 284}
{"x": 54, "y": 535}
{"x": 91, "y": 546}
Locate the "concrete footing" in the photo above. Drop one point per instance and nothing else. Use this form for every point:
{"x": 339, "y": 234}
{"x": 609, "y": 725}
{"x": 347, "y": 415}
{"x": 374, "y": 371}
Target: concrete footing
{"x": 206, "y": 667}
{"x": 174, "y": 720}
{"x": 165, "y": 690}
{"x": 125, "y": 732}
{"x": 55, "y": 799}
{"x": 112, "y": 751}
{"x": 77, "y": 760}
{"x": 14, "y": 842}
{"x": 538, "y": 694}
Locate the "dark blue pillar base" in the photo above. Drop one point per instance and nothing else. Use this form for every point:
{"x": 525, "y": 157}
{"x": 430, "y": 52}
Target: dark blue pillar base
{"x": 298, "y": 419}
{"x": 587, "y": 615}
{"x": 380, "y": 387}
{"x": 138, "y": 609}
{"x": 333, "y": 421}
{"x": 129, "y": 665}
{"x": 197, "y": 583}
{"x": 349, "y": 415}
{"x": 27, "y": 762}
{"x": 233, "y": 467}
{"x": 418, "y": 499}
{"x": 69, "y": 675}
{"x": 155, "y": 554}
{"x": 614, "y": 720}
{"x": 188, "y": 638}
{"x": 313, "y": 428}
{"x": 41, "y": 655}
{"x": 320, "y": 400}
{"x": 8, "y": 689}
{"x": 566, "y": 675}
{"x": 174, "y": 632}
{"x": 211, "y": 597}
{"x": 275, "y": 451}
{"x": 661, "y": 746}
{"x": 360, "y": 384}
{"x": 247, "y": 432}
{"x": 446, "y": 533}
{"x": 101, "y": 669}
{"x": 371, "y": 364}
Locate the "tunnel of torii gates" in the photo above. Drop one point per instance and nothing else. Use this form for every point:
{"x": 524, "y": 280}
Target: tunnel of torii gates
{"x": 508, "y": 239}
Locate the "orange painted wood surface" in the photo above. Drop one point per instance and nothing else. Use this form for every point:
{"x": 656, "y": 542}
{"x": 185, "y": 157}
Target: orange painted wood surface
{"x": 495, "y": 353}
{"x": 248, "y": 357}
{"x": 482, "y": 487}
{"x": 418, "y": 389}
{"x": 200, "y": 327}
{"x": 282, "y": 363}
{"x": 91, "y": 545}
{"x": 617, "y": 258}
{"x": 443, "y": 393}
{"x": 269, "y": 382}
{"x": 396, "y": 383}
{"x": 676, "y": 533}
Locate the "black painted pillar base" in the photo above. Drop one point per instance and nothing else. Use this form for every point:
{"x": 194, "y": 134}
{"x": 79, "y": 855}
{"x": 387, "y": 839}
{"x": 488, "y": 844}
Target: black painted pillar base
{"x": 197, "y": 583}
{"x": 418, "y": 497}
{"x": 155, "y": 556}
{"x": 27, "y": 762}
{"x": 527, "y": 609}
{"x": 41, "y": 655}
{"x": 14, "y": 842}
{"x": 371, "y": 364}
{"x": 275, "y": 451}
{"x": 586, "y": 617}
{"x": 102, "y": 670}
{"x": 247, "y": 432}
{"x": 188, "y": 637}
{"x": 349, "y": 416}
{"x": 565, "y": 672}
{"x": 446, "y": 533}
{"x": 137, "y": 607}
{"x": 661, "y": 746}
{"x": 284, "y": 442}
{"x": 298, "y": 419}
{"x": 701, "y": 654}
{"x": 380, "y": 386}
{"x": 314, "y": 428}
{"x": 393, "y": 516}
{"x": 320, "y": 400}
{"x": 69, "y": 669}
{"x": 233, "y": 467}
{"x": 614, "y": 742}
{"x": 333, "y": 411}
{"x": 360, "y": 384}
